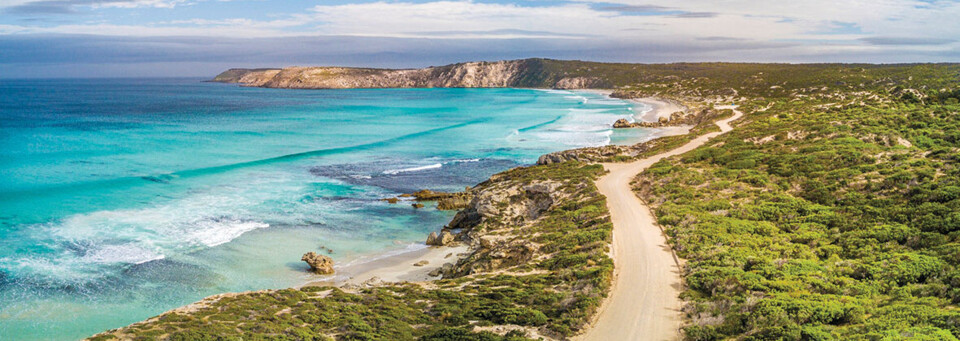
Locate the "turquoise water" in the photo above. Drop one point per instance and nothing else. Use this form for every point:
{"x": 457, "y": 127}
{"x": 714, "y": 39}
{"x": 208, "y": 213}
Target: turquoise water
{"x": 121, "y": 199}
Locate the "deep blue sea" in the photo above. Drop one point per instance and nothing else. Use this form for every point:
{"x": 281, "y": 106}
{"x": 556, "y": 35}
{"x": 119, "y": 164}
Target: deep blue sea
{"x": 121, "y": 199}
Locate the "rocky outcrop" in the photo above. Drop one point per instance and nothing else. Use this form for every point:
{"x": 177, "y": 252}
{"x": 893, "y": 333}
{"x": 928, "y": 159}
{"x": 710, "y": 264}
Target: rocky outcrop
{"x": 539, "y": 73}
{"x": 588, "y": 154}
{"x": 453, "y": 203}
{"x": 507, "y": 202}
{"x": 444, "y": 238}
{"x": 675, "y": 119}
{"x": 445, "y": 200}
{"x": 623, "y": 123}
{"x": 582, "y": 83}
{"x": 319, "y": 264}
{"x": 499, "y": 205}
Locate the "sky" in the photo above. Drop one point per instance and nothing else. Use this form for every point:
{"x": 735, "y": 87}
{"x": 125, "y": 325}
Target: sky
{"x": 200, "y": 38}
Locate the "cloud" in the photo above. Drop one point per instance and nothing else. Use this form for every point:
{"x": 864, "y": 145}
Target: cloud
{"x": 70, "y": 6}
{"x": 696, "y": 15}
{"x": 414, "y": 32}
{"x": 906, "y": 41}
{"x": 720, "y": 39}
{"x": 500, "y": 34}
{"x": 634, "y": 8}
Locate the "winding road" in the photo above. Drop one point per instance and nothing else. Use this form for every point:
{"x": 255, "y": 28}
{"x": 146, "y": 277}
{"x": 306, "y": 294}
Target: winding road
{"x": 644, "y": 303}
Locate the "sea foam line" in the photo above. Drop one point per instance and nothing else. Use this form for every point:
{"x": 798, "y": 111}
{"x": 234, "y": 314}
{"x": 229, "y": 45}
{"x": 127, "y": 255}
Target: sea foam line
{"x": 412, "y": 169}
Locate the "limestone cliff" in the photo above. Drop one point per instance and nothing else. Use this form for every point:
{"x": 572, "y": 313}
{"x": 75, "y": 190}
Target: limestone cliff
{"x": 513, "y": 73}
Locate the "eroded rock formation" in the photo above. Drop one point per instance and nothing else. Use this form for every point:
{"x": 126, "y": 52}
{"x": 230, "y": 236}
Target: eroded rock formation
{"x": 319, "y": 264}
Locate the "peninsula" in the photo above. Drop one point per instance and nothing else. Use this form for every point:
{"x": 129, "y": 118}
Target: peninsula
{"x": 822, "y": 205}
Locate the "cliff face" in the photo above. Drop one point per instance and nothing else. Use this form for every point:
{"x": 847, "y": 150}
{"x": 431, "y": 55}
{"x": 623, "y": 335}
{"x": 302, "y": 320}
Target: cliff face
{"x": 513, "y": 73}
{"x": 236, "y": 75}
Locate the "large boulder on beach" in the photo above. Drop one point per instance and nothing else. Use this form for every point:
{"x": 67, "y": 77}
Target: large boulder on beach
{"x": 319, "y": 264}
{"x": 444, "y": 238}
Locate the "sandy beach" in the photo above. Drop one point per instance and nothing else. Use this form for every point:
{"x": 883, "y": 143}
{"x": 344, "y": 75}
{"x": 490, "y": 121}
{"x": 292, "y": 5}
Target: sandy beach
{"x": 394, "y": 267}
{"x": 661, "y": 108}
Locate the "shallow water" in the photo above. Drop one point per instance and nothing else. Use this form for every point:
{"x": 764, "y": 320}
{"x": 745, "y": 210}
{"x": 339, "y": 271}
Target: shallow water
{"x": 121, "y": 199}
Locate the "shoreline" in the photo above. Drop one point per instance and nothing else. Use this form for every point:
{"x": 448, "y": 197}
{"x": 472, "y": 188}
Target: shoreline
{"x": 391, "y": 267}
{"x": 398, "y": 266}
{"x": 661, "y": 108}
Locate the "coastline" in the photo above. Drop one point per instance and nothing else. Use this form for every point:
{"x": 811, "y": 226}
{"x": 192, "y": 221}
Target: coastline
{"x": 398, "y": 266}
{"x": 661, "y": 108}
{"x": 391, "y": 267}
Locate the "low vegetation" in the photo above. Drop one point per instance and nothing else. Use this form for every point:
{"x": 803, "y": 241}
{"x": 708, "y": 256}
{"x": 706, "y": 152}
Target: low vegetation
{"x": 829, "y": 216}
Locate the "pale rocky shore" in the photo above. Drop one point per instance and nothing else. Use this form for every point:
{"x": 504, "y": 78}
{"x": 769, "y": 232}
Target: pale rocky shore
{"x": 500, "y": 74}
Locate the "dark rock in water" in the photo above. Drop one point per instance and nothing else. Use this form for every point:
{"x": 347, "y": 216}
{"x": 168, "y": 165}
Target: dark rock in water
{"x": 428, "y": 195}
{"x": 391, "y": 200}
{"x": 445, "y": 200}
{"x": 319, "y": 264}
{"x": 417, "y": 205}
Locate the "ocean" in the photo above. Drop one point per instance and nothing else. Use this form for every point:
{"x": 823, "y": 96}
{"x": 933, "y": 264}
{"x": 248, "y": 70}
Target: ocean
{"x": 123, "y": 198}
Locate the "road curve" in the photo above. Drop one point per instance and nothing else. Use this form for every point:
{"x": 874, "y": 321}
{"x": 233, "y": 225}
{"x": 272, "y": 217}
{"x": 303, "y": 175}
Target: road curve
{"x": 644, "y": 302}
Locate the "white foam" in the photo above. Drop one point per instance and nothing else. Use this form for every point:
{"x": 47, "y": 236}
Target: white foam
{"x": 583, "y": 127}
{"x": 215, "y": 232}
{"x": 125, "y": 253}
{"x": 555, "y": 91}
{"x": 413, "y": 169}
{"x": 464, "y": 160}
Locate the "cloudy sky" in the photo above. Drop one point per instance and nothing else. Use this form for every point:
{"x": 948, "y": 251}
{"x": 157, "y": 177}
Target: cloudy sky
{"x": 113, "y": 38}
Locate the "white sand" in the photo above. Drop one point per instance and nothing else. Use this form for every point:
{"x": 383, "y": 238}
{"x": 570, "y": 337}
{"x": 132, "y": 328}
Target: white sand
{"x": 395, "y": 268}
{"x": 661, "y": 108}
{"x": 644, "y": 303}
